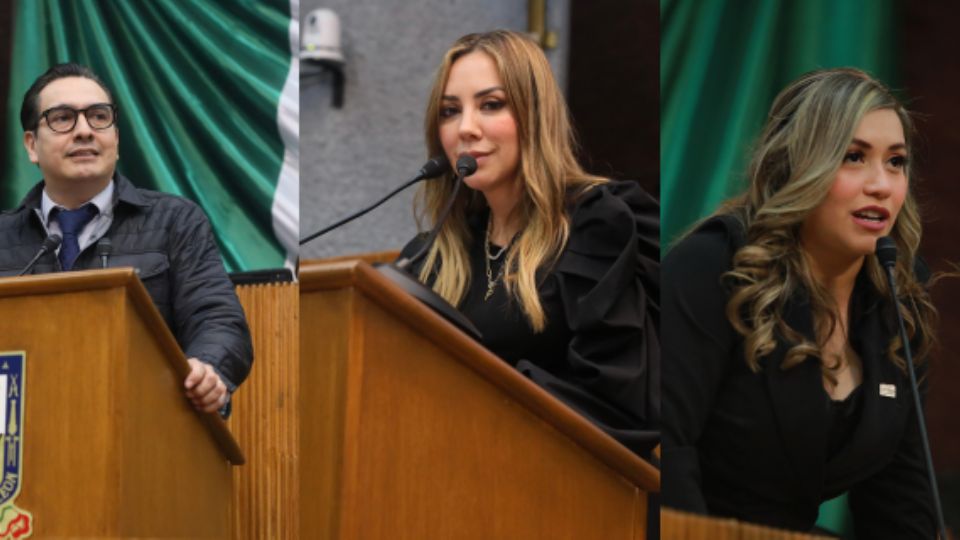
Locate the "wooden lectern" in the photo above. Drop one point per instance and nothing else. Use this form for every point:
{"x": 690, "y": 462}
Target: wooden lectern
{"x": 677, "y": 525}
{"x": 410, "y": 429}
{"x": 111, "y": 448}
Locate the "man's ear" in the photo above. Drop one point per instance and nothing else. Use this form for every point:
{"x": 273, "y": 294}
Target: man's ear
{"x": 30, "y": 143}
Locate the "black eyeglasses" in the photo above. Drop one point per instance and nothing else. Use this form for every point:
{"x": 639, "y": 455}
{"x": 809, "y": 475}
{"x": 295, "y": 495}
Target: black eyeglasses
{"x": 63, "y": 119}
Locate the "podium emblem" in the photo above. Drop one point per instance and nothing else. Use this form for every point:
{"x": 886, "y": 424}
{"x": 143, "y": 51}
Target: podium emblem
{"x": 15, "y": 522}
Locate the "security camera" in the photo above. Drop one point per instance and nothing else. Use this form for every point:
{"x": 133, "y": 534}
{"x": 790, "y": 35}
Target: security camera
{"x": 321, "y": 37}
{"x": 321, "y": 47}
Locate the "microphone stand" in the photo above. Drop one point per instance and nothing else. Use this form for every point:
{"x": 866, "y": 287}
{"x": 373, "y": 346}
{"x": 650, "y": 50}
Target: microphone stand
{"x": 404, "y": 264}
{"x": 354, "y": 216}
{"x": 50, "y": 244}
{"x": 400, "y": 275}
{"x": 887, "y": 254}
{"x": 432, "y": 168}
{"x": 104, "y": 249}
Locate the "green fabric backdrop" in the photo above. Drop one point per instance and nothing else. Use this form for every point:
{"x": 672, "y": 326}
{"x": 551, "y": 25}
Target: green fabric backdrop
{"x": 198, "y": 84}
{"x": 721, "y": 65}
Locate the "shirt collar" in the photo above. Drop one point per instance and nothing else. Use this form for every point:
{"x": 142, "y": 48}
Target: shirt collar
{"x": 103, "y": 201}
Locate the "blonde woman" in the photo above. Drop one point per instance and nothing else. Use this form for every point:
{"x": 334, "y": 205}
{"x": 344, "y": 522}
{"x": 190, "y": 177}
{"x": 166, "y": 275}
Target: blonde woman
{"x": 784, "y": 381}
{"x": 558, "y": 269}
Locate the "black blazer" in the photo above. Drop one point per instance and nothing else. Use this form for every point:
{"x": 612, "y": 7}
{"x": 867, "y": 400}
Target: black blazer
{"x": 754, "y": 445}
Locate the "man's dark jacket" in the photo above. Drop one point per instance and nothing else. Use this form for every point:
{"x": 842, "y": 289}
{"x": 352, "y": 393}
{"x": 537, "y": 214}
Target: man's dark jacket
{"x": 169, "y": 242}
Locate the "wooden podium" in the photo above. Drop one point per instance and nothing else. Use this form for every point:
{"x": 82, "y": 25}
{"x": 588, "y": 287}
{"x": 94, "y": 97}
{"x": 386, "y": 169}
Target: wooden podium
{"x": 111, "y": 448}
{"x": 410, "y": 429}
{"x": 677, "y": 525}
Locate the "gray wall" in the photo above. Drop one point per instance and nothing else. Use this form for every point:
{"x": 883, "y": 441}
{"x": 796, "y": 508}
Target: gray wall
{"x": 351, "y": 157}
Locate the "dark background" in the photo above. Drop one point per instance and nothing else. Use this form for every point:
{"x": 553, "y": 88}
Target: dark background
{"x": 930, "y": 68}
{"x": 615, "y": 67}
{"x": 6, "y": 37}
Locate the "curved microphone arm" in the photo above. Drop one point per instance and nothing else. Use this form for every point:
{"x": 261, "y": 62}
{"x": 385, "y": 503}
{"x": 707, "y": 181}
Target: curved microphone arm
{"x": 466, "y": 165}
{"x": 431, "y": 169}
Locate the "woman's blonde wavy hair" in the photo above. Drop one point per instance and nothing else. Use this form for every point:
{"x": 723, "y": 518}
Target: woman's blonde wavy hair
{"x": 795, "y": 162}
{"x": 547, "y": 170}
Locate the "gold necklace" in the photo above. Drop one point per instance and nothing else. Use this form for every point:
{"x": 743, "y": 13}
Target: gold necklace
{"x": 491, "y": 280}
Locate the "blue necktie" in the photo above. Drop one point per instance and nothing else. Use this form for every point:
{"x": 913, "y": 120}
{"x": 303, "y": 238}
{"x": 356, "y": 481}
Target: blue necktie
{"x": 71, "y": 223}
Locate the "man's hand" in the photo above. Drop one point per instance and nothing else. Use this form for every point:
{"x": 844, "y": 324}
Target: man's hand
{"x": 204, "y": 387}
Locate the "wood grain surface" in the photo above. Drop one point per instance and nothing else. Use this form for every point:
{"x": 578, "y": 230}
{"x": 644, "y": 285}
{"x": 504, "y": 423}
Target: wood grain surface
{"x": 676, "y": 525}
{"x": 266, "y": 418}
{"x": 111, "y": 447}
{"x": 425, "y": 434}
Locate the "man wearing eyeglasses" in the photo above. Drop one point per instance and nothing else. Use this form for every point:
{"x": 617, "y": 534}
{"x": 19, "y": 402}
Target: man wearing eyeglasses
{"x": 69, "y": 121}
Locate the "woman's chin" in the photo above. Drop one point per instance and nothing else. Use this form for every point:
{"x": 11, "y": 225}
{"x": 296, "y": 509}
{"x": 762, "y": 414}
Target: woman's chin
{"x": 477, "y": 182}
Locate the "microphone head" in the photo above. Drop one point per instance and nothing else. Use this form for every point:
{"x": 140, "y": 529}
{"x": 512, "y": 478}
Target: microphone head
{"x": 52, "y": 242}
{"x": 104, "y": 247}
{"x": 887, "y": 251}
{"x": 466, "y": 165}
{"x": 434, "y": 167}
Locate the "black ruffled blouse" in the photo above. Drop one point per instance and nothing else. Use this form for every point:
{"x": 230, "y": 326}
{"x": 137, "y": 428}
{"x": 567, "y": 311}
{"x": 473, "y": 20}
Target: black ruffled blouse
{"x": 599, "y": 352}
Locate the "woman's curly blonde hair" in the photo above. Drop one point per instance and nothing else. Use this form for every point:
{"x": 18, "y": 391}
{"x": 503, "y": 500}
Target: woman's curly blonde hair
{"x": 795, "y": 162}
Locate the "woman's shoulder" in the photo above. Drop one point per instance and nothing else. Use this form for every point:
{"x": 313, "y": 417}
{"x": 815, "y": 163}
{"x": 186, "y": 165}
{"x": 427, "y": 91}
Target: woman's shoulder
{"x": 710, "y": 246}
{"x": 613, "y": 197}
{"x": 609, "y": 219}
{"x": 606, "y": 216}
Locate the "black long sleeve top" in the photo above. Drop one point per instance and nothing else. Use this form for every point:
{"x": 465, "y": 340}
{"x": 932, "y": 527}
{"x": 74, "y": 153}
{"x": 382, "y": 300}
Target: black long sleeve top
{"x": 599, "y": 352}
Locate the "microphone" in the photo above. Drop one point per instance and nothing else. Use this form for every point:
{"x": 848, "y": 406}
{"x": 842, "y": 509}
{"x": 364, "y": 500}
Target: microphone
{"x": 50, "y": 244}
{"x": 887, "y": 256}
{"x": 466, "y": 165}
{"x": 431, "y": 169}
{"x": 399, "y": 274}
{"x": 104, "y": 249}
{"x": 887, "y": 252}
{"x": 434, "y": 167}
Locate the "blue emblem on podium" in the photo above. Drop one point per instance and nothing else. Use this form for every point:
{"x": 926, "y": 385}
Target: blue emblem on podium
{"x": 15, "y": 523}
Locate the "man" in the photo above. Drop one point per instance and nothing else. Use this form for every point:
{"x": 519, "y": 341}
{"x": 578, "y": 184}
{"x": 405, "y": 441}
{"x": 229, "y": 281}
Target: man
{"x": 70, "y": 131}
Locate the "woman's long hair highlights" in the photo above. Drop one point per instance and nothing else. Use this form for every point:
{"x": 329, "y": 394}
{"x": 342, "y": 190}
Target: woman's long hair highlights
{"x": 795, "y": 162}
{"x": 547, "y": 170}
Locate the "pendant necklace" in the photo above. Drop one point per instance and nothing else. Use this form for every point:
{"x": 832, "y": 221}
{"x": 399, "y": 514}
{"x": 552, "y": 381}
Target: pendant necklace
{"x": 491, "y": 280}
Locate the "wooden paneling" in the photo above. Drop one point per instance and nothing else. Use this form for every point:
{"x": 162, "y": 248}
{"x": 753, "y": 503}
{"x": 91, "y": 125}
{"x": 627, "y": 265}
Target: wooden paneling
{"x": 266, "y": 418}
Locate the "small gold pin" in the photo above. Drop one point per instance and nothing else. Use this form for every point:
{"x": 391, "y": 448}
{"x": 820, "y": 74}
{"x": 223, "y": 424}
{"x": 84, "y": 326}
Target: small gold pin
{"x": 888, "y": 390}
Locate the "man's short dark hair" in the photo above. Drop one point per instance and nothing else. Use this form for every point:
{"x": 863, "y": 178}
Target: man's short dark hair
{"x": 30, "y": 109}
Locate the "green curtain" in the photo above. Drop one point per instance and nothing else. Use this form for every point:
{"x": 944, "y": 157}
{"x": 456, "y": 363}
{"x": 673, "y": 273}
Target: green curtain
{"x": 721, "y": 65}
{"x": 198, "y": 85}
